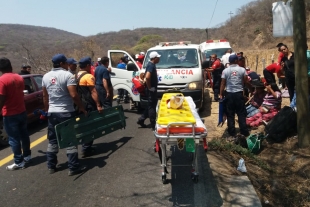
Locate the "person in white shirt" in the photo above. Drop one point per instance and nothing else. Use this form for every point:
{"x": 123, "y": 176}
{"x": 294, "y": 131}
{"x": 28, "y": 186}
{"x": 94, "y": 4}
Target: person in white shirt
{"x": 225, "y": 58}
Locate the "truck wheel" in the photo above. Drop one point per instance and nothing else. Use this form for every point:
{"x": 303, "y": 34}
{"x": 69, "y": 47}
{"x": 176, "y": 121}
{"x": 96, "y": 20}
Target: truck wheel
{"x": 4, "y": 139}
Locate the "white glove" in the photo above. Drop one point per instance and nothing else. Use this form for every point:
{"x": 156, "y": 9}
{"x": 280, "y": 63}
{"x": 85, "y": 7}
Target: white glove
{"x": 152, "y": 89}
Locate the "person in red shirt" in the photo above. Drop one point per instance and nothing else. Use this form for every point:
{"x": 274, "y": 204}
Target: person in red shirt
{"x": 216, "y": 69}
{"x": 280, "y": 56}
{"x": 140, "y": 61}
{"x": 14, "y": 114}
{"x": 92, "y": 70}
{"x": 269, "y": 73}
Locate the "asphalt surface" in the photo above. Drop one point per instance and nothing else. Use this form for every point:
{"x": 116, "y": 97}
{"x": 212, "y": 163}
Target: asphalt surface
{"x": 125, "y": 171}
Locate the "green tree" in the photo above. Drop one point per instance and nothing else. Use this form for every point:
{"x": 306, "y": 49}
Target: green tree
{"x": 148, "y": 41}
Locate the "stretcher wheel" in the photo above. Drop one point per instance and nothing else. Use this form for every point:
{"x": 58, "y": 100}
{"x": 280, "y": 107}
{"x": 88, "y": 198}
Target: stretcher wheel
{"x": 195, "y": 178}
{"x": 164, "y": 179}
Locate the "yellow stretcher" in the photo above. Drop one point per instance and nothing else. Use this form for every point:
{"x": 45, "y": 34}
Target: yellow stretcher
{"x": 182, "y": 127}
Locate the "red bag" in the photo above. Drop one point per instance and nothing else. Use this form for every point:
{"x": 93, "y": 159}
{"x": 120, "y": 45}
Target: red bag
{"x": 138, "y": 85}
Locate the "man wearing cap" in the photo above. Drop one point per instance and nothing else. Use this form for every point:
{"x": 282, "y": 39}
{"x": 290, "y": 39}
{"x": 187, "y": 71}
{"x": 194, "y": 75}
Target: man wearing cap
{"x": 87, "y": 91}
{"x": 151, "y": 90}
{"x": 59, "y": 94}
{"x": 23, "y": 70}
{"x": 14, "y": 114}
{"x": 72, "y": 65}
{"x": 103, "y": 83}
{"x": 234, "y": 78}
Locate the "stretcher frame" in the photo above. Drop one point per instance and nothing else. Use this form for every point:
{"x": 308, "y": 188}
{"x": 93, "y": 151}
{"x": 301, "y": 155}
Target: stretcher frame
{"x": 162, "y": 140}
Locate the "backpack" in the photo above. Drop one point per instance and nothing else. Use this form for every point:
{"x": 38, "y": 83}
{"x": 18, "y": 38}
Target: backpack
{"x": 282, "y": 125}
{"x": 85, "y": 95}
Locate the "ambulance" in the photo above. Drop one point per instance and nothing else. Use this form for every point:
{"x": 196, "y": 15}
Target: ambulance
{"x": 179, "y": 69}
{"x": 218, "y": 47}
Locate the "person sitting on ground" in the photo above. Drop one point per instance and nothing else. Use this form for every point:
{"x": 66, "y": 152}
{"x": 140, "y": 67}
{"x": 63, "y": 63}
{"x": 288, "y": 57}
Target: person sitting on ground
{"x": 269, "y": 108}
{"x": 256, "y": 100}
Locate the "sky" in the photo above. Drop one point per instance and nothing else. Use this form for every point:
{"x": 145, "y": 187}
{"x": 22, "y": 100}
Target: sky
{"x": 98, "y": 16}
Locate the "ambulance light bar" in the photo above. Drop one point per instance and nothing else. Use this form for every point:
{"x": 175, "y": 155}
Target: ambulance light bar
{"x": 214, "y": 41}
{"x": 174, "y": 43}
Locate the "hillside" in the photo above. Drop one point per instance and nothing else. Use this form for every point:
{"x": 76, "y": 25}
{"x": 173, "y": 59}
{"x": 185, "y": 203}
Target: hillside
{"x": 249, "y": 29}
{"x": 13, "y": 36}
{"x": 131, "y": 37}
{"x": 252, "y": 27}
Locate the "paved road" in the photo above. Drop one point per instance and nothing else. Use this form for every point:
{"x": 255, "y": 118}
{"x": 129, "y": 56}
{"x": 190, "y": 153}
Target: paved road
{"x": 125, "y": 171}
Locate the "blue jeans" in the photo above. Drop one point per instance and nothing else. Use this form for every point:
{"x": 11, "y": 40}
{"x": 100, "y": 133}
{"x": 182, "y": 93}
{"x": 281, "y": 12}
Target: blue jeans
{"x": 16, "y": 128}
{"x": 52, "y": 148}
{"x": 293, "y": 102}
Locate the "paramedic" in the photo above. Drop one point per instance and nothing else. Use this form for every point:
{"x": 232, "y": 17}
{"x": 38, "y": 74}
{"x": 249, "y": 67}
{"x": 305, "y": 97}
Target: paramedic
{"x": 234, "y": 78}
{"x": 59, "y": 93}
{"x": 151, "y": 90}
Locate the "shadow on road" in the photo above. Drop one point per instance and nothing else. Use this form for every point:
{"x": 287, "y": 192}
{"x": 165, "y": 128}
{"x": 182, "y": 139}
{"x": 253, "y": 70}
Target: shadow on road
{"x": 103, "y": 148}
{"x": 184, "y": 191}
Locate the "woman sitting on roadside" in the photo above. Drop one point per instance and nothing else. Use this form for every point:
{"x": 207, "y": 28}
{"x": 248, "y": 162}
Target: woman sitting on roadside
{"x": 269, "y": 108}
{"x": 257, "y": 99}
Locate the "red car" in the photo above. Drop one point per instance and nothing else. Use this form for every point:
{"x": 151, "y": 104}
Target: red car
{"x": 33, "y": 100}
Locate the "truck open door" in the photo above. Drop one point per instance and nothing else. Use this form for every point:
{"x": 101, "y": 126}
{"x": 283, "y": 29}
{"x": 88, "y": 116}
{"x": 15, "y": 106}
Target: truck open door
{"x": 122, "y": 78}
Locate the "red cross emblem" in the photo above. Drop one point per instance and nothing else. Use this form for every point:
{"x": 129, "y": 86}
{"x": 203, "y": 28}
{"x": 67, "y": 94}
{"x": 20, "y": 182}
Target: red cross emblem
{"x": 53, "y": 80}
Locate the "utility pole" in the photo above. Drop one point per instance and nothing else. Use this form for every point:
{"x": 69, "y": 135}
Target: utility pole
{"x": 207, "y": 31}
{"x": 230, "y": 13}
{"x": 302, "y": 91}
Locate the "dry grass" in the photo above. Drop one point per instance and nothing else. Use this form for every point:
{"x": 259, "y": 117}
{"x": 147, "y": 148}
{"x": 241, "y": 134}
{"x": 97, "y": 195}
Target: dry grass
{"x": 280, "y": 173}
